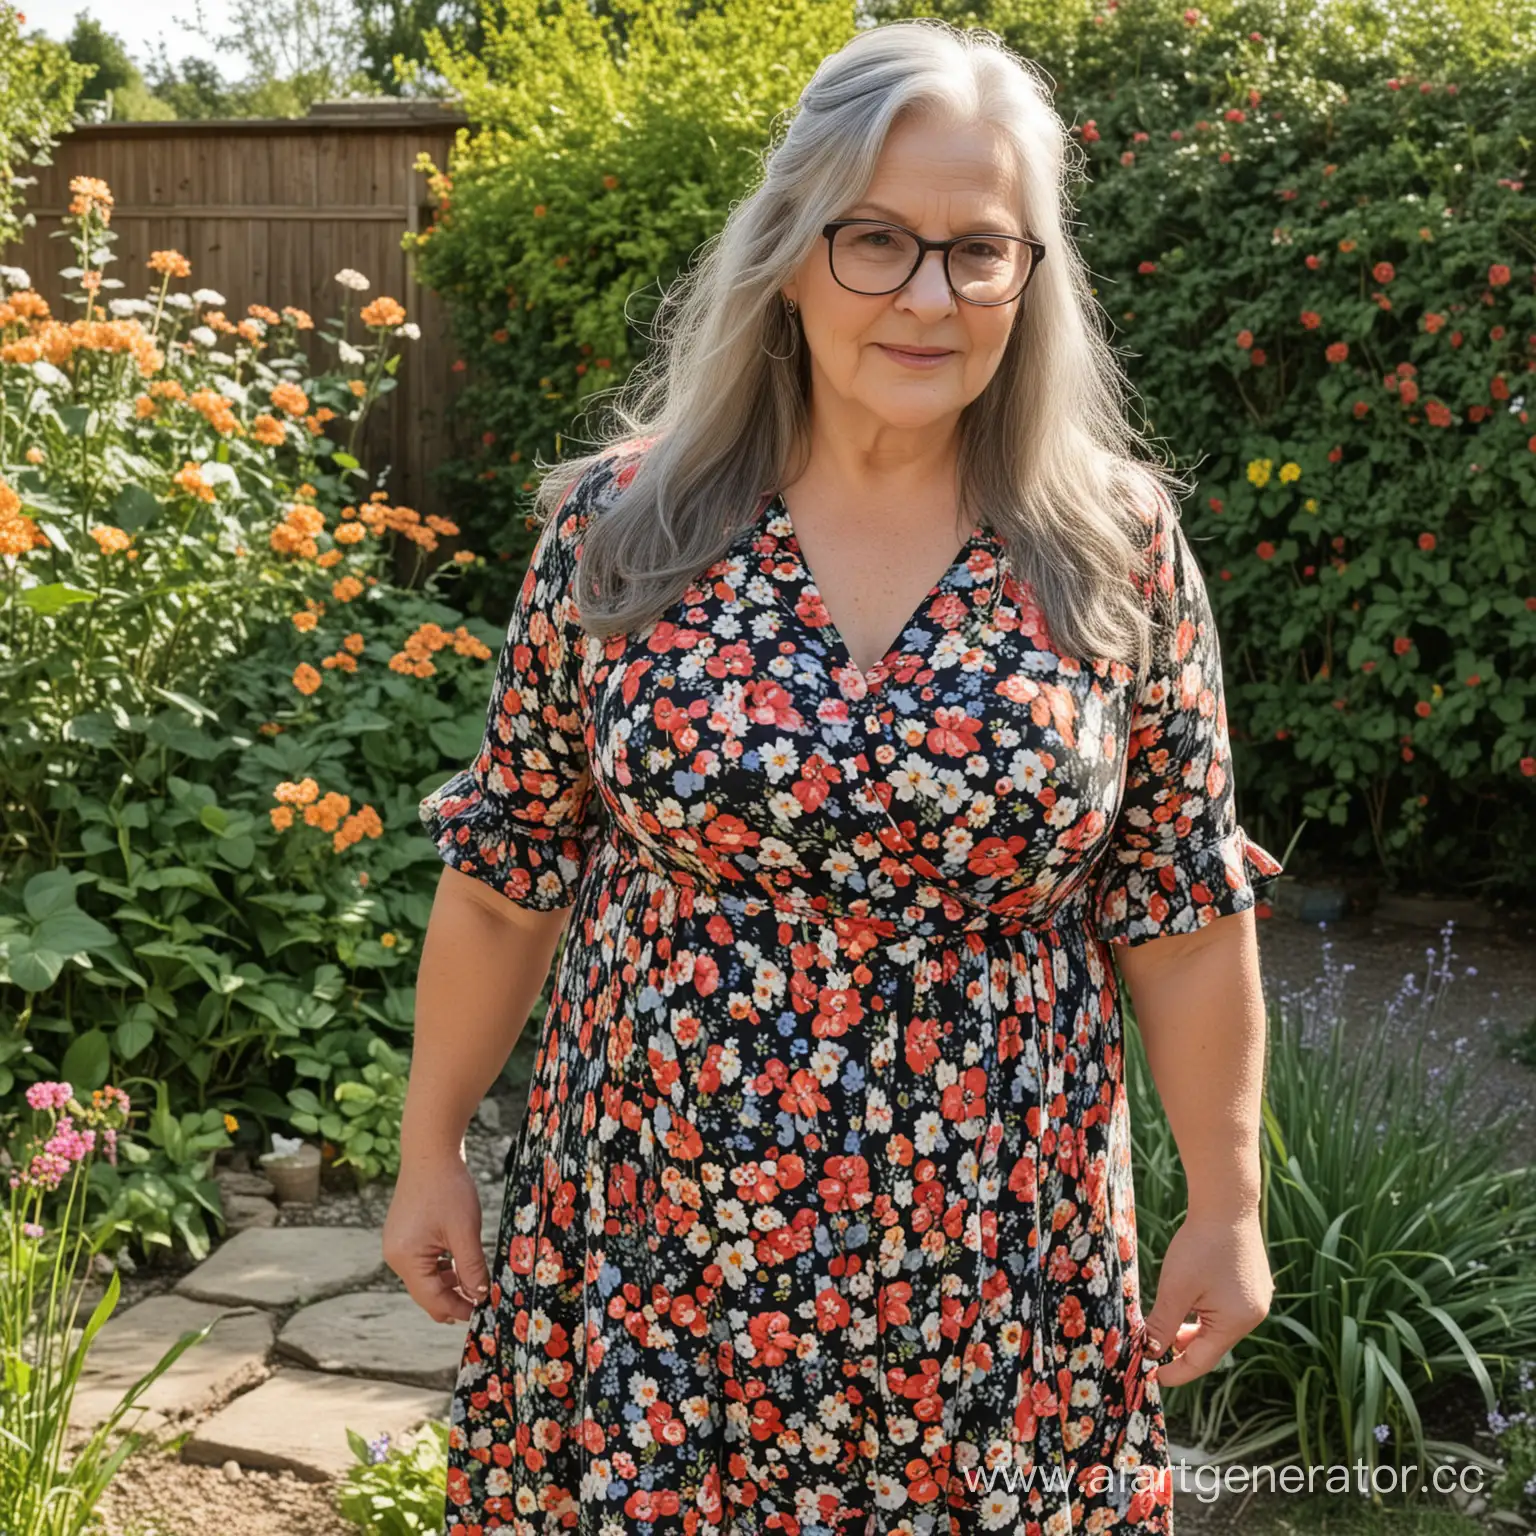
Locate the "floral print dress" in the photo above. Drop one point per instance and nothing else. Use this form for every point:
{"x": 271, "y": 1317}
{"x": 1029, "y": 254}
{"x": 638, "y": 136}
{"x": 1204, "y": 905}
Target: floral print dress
{"x": 820, "y": 1221}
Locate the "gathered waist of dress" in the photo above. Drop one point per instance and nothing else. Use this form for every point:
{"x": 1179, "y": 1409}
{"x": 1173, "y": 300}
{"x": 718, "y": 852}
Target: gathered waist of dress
{"x": 925, "y": 910}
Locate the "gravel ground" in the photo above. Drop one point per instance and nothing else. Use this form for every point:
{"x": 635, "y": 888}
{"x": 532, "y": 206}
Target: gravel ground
{"x": 1465, "y": 992}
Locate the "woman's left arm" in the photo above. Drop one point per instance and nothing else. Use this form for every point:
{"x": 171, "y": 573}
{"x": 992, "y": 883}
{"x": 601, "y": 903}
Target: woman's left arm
{"x": 1175, "y": 906}
{"x": 1199, "y": 1005}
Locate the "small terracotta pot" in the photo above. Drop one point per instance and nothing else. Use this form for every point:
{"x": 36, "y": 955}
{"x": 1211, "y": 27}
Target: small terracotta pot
{"x": 295, "y": 1176}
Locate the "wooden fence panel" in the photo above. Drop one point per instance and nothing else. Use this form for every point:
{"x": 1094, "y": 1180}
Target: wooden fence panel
{"x": 268, "y": 211}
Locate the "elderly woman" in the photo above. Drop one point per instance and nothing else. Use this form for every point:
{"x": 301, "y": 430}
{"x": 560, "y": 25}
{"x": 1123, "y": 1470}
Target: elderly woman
{"x": 861, "y": 707}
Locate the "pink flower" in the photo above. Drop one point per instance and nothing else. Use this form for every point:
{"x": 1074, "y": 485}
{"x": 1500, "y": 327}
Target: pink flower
{"x": 50, "y": 1095}
{"x": 32, "y": 1230}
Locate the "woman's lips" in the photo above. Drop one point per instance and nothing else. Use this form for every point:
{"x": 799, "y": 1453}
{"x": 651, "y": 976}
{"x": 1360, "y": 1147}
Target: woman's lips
{"x": 915, "y": 359}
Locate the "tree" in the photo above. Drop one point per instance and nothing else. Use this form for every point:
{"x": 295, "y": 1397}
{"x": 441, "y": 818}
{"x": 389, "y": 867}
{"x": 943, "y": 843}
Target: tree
{"x": 299, "y": 52}
{"x": 91, "y": 43}
{"x": 39, "y": 84}
{"x": 195, "y": 90}
{"x": 392, "y": 29}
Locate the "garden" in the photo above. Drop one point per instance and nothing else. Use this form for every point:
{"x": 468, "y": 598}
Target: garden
{"x": 233, "y": 663}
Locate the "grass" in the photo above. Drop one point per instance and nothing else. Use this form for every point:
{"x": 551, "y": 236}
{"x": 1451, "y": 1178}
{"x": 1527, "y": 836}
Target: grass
{"x": 1276, "y": 1515}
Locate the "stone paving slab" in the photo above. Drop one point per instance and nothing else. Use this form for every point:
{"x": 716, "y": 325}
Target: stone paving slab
{"x": 299, "y": 1420}
{"x": 287, "y": 1266}
{"x": 232, "y": 1358}
{"x": 377, "y": 1334}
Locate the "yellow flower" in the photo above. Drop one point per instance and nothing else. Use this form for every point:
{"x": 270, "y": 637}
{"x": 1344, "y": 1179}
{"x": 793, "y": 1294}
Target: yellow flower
{"x": 1436, "y": 692}
{"x": 1258, "y": 471}
{"x": 1310, "y": 503}
{"x": 231, "y": 1124}
{"x": 388, "y": 940}
{"x": 1290, "y": 472}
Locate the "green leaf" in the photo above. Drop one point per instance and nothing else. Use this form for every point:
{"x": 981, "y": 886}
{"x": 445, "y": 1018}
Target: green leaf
{"x": 70, "y": 932}
{"x": 132, "y": 1036}
{"x": 88, "y": 1060}
{"x": 48, "y": 893}
{"x": 345, "y": 461}
{"x": 35, "y": 970}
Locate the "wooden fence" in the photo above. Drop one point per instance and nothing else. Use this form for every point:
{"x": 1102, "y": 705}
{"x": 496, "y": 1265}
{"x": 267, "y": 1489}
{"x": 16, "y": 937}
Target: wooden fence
{"x": 268, "y": 210}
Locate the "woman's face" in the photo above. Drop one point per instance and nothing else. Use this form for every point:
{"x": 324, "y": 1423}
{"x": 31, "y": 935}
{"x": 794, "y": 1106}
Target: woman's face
{"x": 938, "y": 182}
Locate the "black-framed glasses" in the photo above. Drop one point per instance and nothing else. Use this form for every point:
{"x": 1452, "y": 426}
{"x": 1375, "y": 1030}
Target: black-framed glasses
{"x": 872, "y": 257}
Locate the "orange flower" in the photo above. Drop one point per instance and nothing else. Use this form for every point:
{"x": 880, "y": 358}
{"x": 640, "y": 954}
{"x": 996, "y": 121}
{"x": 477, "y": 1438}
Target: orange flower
{"x": 304, "y": 622}
{"x": 215, "y": 409}
{"x": 382, "y": 312}
{"x": 282, "y": 817}
{"x": 358, "y": 387}
{"x": 302, "y": 793}
{"x": 289, "y": 398}
{"x": 300, "y": 318}
{"x": 19, "y": 535}
{"x": 268, "y": 430}
{"x": 346, "y": 589}
{"x": 305, "y": 678}
{"x": 169, "y": 264}
{"x": 189, "y": 478}
{"x": 92, "y": 195}
{"x": 261, "y": 312}
{"x": 110, "y": 540}
{"x": 327, "y": 813}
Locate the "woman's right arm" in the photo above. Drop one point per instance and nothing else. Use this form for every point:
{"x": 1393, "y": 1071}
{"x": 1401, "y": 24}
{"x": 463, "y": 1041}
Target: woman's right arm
{"x": 483, "y": 965}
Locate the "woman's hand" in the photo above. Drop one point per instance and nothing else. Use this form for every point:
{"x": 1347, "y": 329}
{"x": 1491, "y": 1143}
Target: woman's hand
{"x": 1215, "y": 1267}
{"x": 436, "y": 1210}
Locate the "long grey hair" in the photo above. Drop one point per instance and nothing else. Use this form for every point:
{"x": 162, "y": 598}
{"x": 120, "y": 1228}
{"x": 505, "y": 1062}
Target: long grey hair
{"x": 1046, "y": 456}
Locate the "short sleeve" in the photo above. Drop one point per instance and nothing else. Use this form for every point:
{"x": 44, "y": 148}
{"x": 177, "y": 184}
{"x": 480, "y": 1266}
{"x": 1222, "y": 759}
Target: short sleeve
{"x": 1177, "y": 858}
{"x": 517, "y": 817}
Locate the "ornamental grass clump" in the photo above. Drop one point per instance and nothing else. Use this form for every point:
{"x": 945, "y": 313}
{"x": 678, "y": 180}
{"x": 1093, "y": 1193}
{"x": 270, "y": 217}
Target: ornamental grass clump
{"x": 1402, "y": 1243}
{"x": 49, "y": 1487}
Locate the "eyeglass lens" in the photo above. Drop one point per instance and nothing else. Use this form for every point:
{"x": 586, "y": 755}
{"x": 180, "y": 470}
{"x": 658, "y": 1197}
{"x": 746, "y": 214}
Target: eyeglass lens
{"x": 877, "y": 258}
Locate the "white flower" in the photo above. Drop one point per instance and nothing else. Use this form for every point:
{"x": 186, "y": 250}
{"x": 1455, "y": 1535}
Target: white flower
{"x": 15, "y": 277}
{"x": 220, "y": 474}
{"x": 410, "y": 329}
{"x": 348, "y": 278}
{"x": 286, "y": 1146}
{"x": 208, "y": 296}
{"x": 130, "y": 307}
{"x": 178, "y": 300}
{"x": 46, "y": 373}
{"x": 349, "y": 354}
{"x": 203, "y": 336}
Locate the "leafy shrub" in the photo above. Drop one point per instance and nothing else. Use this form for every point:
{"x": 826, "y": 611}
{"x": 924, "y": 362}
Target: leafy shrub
{"x": 1400, "y": 1244}
{"x": 216, "y": 699}
{"x": 38, "y": 88}
{"x": 396, "y": 1490}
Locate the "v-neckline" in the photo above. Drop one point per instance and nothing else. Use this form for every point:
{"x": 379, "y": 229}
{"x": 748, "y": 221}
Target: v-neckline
{"x": 829, "y": 630}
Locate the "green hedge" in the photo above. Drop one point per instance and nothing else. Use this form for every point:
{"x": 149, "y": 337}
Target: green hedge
{"x": 1319, "y": 270}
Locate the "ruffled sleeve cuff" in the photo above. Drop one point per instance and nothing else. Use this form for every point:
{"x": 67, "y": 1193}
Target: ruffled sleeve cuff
{"x": 1142, "y": 901}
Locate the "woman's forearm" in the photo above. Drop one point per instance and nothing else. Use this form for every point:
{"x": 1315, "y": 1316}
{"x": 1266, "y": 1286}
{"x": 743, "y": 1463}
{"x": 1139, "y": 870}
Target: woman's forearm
{"x": 1199, "y": 1004}
{"x": 483, "y": 964}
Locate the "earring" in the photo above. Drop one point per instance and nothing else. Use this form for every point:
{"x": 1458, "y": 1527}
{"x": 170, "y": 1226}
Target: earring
{"x": 790, "y": 307}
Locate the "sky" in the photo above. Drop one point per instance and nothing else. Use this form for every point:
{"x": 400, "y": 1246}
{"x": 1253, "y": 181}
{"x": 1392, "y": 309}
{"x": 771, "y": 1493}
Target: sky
{"x": 138, "y": 22}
